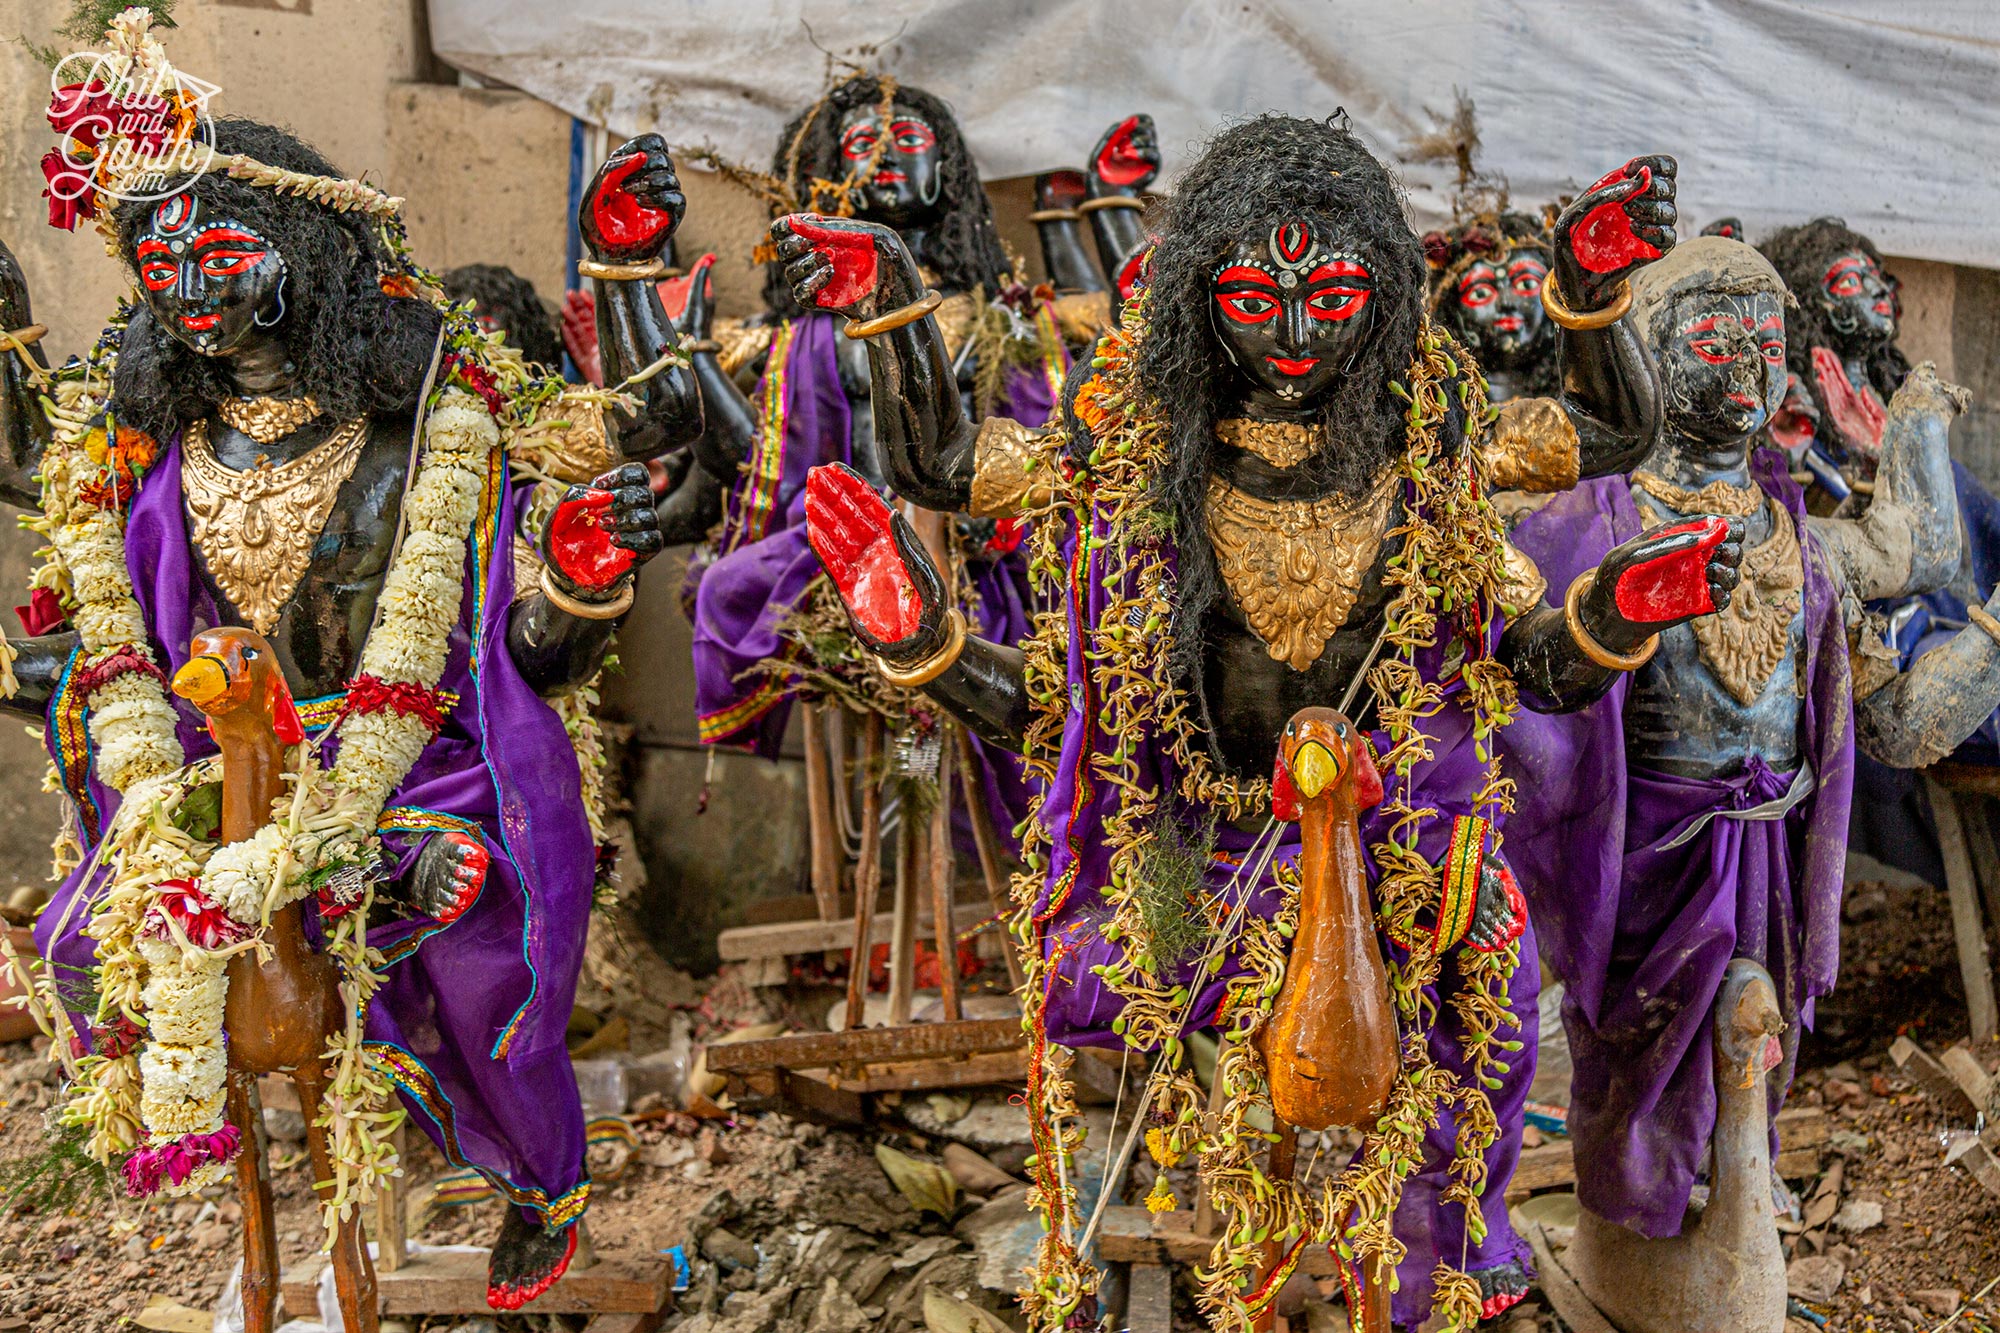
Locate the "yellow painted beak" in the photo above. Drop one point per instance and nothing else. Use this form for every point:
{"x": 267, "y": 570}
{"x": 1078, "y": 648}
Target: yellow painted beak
{"x": 1314, "y": 769}
{"x": 203, "y": 681}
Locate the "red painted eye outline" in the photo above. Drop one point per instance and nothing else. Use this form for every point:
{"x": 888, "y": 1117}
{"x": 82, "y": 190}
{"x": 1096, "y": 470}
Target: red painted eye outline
{"x": 1336, "y": 303}
{"x": 858, "y": 142}
{"x": 1774, "y": 352}
{"x": 1248, "y": 307}
{"x": 912, "y": 136}
{"x": 1475, "y": 295}
{"x": 159, "y": 274}
{"x": 1528, "y": 284}
{"x": 231, "y": 262}
{"x": 1847, "y": 284}
{"x": 1708, "y": 349}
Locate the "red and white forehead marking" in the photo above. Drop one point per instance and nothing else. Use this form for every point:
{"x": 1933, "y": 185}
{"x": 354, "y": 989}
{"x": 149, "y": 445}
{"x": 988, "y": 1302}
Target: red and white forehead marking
{"x": 1292, "y": 244}
{"x": 174, "y": 214}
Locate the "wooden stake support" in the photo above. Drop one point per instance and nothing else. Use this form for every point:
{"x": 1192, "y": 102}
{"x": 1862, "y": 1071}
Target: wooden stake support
{"x": 1962, "y": 886}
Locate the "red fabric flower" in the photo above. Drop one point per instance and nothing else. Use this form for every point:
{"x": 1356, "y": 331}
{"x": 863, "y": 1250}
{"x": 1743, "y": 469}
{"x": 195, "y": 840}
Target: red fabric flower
{"x": 478, "y": 379}
{"x": 1437, "y": 249}
{"x": 204, "y": 923}
{"x": 1007, "y": 536}
{"x": 371, "y": 694}
{"x": 94, "y": 676}
{"x": 69, "y": 191}
{"x": 82, "y": 112}
{"x": 43, "y": 614}
{"x": 116, "y": 1038}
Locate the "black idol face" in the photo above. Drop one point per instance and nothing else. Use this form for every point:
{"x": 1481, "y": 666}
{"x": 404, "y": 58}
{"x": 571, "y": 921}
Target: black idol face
{"x": 1723, "y": 367}
{"x": 1291, "y": 309}
{"x": 909, "y": 174}
{"x": 1497, "y": 308}
{"x": 1858, "y": 299}
{"x": 210, "y": 281}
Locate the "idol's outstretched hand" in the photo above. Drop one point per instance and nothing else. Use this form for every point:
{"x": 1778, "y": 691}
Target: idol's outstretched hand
{"x": 1616, "y": 227}
{"x": 894, "y": 595}
{"x": 633, "y": 205}
{"x": 861, "y": 269}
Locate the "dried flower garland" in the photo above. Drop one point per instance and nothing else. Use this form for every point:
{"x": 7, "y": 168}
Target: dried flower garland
{"x": 1449, "y": 567}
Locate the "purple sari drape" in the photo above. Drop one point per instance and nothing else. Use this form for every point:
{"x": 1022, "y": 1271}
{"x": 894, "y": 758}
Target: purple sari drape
{"x": 1641, "y": 932}
{"x": 472, "y": 1016}
{"x": 1080, "y": 1007}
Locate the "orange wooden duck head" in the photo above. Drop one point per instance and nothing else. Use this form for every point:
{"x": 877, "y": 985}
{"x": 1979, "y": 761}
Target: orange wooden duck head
{"x": 1322, "y": 752}
{"x": 233, "y": 676}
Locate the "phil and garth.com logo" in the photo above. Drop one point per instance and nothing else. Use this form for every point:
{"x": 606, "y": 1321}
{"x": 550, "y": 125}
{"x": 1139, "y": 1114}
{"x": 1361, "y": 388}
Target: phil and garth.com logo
{"x": 130, "y": 123}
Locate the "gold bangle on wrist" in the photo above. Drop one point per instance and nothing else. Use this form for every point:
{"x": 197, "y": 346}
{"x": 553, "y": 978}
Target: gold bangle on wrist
{"x": 1110, "y": 201}
{"x": 26, "y": 337}
{"x": 1585, "y": 320}
{"x": 1592, "y": 649}
{"x": 583, "y": 610}
{"x": 897, "y": 318}
{"x": 655, "y": 267}
{"x": 939, "y": 662}
{"x": 1054, "y": 215}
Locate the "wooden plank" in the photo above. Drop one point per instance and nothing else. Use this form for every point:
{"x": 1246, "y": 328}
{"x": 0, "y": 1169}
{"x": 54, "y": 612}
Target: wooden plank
{"x": 456, "y": 1284}
{"x": 937, "y": 873}
{"x": 387, "y": 1225}
{"x": 867, "y": 870}
{"x": 822, "y": 1050}
{"x": 1009, "y": 1067}
{"x": 1967, "y": 926}
{"x": 785, "y": 939}
{"x": 823, "y": 833}
{"x": 1801, "y": 1132}
{"x": 1149, "y": 1301}
{"x": 987, "y": 840}
{"x": 1968, "y": 1073}
{"x": 1930, "y": 1075}
{"x": 1973, "y": 814}
{"x": 903, "y": 920}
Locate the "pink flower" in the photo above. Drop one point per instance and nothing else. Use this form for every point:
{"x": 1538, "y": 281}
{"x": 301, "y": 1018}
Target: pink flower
{"x": 115, "y": 1038}
{"x": 177, "y": 1159}
{"x": 205, "y": 924}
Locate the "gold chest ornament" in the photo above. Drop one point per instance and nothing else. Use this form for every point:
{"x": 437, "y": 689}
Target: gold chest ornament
{"x": 255, "y": 529}
{"x": 1743, "y": 643}
{"x": 1295, "y": 567}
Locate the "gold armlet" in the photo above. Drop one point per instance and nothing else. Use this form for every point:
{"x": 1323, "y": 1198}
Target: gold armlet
{"x": 897, "y": 318}
{"x": 1585, "y": 320}
{"x": 24, "y": 337}
{"x": 1054, "y": 215}
{"x": 655, "y": 267}
{"x": 1983, "y": 618}
{"x": 1110, "y": 201}
{"x": 583, "y": 610}
{"x": 939, "y": 662}
{"x": 1592, "y": 649}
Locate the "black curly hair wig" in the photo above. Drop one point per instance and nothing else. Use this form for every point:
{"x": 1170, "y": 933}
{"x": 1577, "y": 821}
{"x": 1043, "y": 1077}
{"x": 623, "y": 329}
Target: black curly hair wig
{"x": 357, "y": 350}
{"x": 963, "y": 249}
{"x": 1494, "y": 239}
{"x": 513, "y": 305}
{"x": 1802, "y": 255}
{"x": 1251, "y": 177}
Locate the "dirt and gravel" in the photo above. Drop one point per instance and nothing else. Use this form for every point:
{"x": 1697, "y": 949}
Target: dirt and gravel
{"x": 795, "y": 1228}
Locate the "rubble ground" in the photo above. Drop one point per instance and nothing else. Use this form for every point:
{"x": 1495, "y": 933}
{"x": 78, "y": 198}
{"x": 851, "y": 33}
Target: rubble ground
{"x": 796, "y": 1228}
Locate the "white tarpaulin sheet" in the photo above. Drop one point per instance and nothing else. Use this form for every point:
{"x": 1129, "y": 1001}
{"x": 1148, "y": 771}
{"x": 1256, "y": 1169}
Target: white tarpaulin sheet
{"x": 1887, "y": 114}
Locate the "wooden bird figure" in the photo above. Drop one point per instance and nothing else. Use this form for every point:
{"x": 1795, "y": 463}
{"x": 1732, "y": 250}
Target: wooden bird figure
{"x": 279, "y": 1012}
{"x": 1330, "y": 1047}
